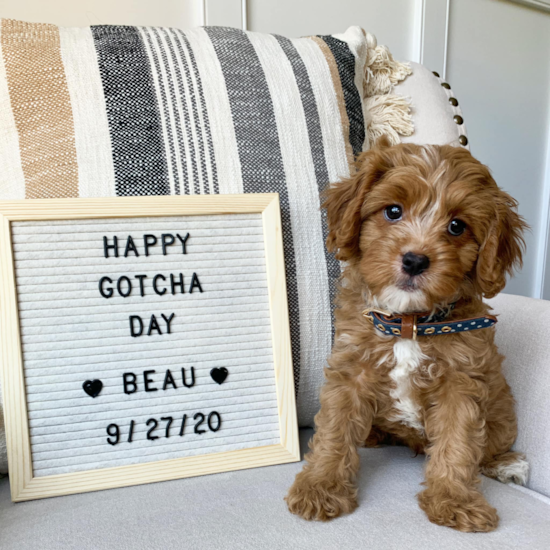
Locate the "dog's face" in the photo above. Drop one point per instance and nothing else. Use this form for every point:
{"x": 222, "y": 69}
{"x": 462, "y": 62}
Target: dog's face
{"x": 424, "y": 225}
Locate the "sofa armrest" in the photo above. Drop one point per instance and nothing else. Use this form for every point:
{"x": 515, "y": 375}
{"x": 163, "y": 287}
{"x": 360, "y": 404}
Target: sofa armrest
{"x": 436, "y": 118}
{"x": 523, "y": 337}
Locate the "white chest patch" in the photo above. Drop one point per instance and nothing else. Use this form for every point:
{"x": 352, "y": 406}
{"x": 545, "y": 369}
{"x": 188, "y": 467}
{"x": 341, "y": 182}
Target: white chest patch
{"x": 408, "y": 358}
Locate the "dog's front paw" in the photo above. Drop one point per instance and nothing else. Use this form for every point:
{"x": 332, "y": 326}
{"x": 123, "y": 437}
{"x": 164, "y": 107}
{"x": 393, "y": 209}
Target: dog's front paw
{"x": 471, "y": 514}
{"x": 320, "y": 499}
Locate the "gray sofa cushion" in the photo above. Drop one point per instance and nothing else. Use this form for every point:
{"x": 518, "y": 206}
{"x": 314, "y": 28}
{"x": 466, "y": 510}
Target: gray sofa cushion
{"x": 522, "y": 337}
{"x": 245, "y": 510}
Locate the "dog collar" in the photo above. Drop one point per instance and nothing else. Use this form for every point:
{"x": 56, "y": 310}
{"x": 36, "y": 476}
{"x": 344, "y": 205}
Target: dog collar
{"x": 411, "y": 325}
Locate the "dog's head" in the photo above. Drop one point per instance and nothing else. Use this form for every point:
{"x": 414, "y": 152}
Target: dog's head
{"x": 424, "y": 225}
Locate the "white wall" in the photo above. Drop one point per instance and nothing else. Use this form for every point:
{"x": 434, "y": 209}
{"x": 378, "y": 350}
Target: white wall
{"x": 499, "y": 67}
{"x": 496, "y": 55}
{"x": 389, "y": 20}
{"x": 81, "y": 13}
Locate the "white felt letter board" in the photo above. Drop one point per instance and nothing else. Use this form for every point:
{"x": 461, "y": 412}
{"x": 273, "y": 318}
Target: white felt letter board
{"x": 143, "y": 339}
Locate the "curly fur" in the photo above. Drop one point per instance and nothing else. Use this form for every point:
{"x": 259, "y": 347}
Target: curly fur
{"x": 444, "y": 396}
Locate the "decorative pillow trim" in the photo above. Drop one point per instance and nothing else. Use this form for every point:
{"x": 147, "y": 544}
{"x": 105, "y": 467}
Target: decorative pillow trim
{"x": 462, "y": 139}
{"x": 388, "y": 114}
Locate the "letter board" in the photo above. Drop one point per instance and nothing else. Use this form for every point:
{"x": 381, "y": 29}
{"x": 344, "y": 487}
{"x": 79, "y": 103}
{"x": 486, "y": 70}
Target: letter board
{"x": 143, "y": 339}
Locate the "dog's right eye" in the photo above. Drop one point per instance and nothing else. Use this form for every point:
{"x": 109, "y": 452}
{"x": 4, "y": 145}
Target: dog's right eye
{"x": 393, "y": 213}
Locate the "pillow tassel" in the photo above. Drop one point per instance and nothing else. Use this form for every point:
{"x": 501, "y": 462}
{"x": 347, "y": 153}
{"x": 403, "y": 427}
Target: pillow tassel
{"x": 389, "y": 114}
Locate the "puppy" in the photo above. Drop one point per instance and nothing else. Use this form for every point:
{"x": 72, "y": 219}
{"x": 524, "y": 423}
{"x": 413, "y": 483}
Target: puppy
{"x": 424, "y": 233}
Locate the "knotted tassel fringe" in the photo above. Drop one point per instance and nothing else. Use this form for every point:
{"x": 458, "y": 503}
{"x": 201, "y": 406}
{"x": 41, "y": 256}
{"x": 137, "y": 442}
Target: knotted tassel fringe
{"x": 390, "y": 114}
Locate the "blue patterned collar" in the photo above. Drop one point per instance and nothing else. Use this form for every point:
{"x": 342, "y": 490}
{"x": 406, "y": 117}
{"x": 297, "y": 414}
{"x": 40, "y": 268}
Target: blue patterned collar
{"x": 411, "y": 325}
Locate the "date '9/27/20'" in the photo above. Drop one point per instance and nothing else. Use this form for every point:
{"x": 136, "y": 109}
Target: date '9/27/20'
{"x": 165, "y": 427}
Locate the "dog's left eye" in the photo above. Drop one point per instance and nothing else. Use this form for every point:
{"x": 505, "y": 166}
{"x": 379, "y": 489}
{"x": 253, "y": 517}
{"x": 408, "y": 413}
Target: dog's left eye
{"x": 456, "y": 227}
{"x": 393, "y": 213}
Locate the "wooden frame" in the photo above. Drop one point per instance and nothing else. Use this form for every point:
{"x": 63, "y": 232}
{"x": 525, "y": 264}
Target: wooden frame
{"x": 24, "y": 486}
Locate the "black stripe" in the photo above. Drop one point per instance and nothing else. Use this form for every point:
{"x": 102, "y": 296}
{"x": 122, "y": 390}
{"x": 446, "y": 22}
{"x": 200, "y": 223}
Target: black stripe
{"x": 197, "y": 144}
{"x": 177, "y": 88}
{"x": 345, "y": 61}
{"x": 166, "y": 102}
{"x": 139, "y": 157}
{"x": 187, "y": 136}
{"x": 204, "y": 112}
{"x": 315, "y": 135}
{"x": 259, "y": 148}
{"x": 184, "y": 135}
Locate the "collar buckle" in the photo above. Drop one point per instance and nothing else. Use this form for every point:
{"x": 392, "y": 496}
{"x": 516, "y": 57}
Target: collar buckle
{"x": 369, "y": 310}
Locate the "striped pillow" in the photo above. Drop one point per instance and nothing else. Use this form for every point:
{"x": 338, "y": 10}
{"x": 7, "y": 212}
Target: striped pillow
{"x": 115, "y": 111}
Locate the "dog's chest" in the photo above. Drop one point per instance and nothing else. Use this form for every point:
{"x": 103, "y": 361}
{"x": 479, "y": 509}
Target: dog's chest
{"x": 408, "y": 358}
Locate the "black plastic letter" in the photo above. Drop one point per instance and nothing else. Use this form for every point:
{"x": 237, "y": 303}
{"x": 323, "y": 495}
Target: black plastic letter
{"x": 153, "y": 325}
{"x": 155, "y": 278}
{"x": 119, "y": 286}
{"x": 195, "y": 283}
{"x": 149, "y": 240}
{"x": 105, "y": 292}
{"x": 183, "y": 242}
{"x": 140, "y": 279}
{"x": 107, "y": 246}
{"x": 169, "y": 379}
{"x": 133, "y": 330}
{"x": 218, "y": 421}
{"x": 130, "y": 246}
{"x": 168, "y": 321}
{"x": 174, "y": 283}
{"x": 153, "y": 428}
{"x": 168, "y": 420}
{"x": 129, "y": 379}
{"x": 148, "y": 380}
{"x": 166, "y": 242}
{"x": 183, "y": 421}
{"x": 131, "y": 432}
{"x": 192, "y": 377}
{"x": 197, "y": 429}
{"x": 116, "y": 434}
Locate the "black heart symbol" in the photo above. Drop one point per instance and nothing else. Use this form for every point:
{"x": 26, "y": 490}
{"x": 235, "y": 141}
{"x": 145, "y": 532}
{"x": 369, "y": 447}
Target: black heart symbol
{"x": 219, "y": 375}
{"x": 93, "y": 387}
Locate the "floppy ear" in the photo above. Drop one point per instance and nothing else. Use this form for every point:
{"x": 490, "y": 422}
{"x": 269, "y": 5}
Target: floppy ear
{"x": 343, "y": 202}
{"x": 502, "y": 251}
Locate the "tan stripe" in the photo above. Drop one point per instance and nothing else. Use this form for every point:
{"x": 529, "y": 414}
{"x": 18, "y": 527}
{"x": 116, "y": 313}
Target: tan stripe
{"x": 12, "y": 179}
{"x": 331, "y": 62}
{"x": 41, "y": 107}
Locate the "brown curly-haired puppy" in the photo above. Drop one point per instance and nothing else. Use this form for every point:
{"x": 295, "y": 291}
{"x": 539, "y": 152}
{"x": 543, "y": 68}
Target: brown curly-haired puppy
{"x": 420, "y": 229}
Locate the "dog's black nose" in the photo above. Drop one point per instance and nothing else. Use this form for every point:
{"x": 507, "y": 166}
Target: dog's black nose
{"x": 415, "y": 264}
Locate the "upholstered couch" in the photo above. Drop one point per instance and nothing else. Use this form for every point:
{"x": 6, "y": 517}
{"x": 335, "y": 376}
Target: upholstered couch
{"x": 246, "y": 509}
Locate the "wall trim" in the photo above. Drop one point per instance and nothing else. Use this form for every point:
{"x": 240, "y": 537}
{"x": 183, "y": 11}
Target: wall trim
{"x": 244, "y": 14}
{"x": 542, "y": 275}
{"x": 418, "y": 31}
{"x": 431, "y": 23}
{"x": 226, "y": 13}
{"x": 446, "y": 50}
